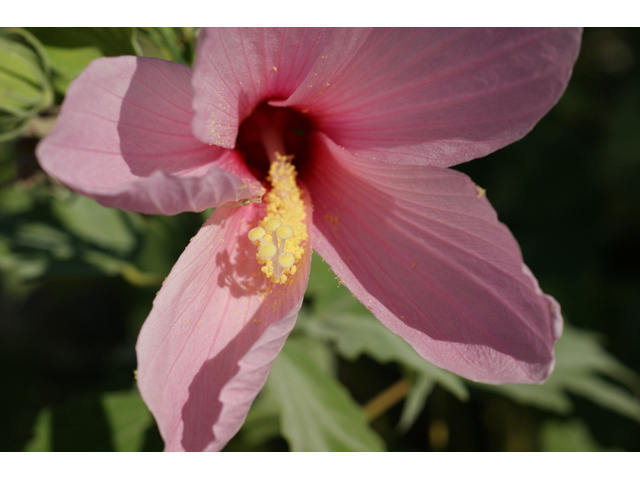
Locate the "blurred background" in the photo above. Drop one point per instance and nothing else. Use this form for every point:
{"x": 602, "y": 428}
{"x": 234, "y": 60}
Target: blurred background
{"x": 77, "y": 281}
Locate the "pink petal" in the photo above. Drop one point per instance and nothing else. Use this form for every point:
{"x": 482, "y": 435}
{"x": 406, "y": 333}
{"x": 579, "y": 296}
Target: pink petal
{"x": 427, "y": 255}
{"x": 216, "y": 326}
{"x": 237, "y": 69}
{"x": 124, "y": 138}
{"x": 435, "y": 96}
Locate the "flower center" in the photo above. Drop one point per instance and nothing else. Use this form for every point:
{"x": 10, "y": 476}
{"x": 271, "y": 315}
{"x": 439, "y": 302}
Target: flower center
{"x": 289, "y": 126}
{"x": 281, "y": 235}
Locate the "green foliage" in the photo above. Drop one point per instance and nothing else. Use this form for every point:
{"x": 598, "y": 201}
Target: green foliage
{"x": 317, "y": 413}
{"x": 25, "y": 87}
{"x": 567, "y": 436}
{"x": 420, "y": 389}
{"x": 174, "y": 44}
{"x": 580, "y": 364}
{"x": 124, "y": 415}
{"x": 109, "y": 40}
{"x": 70, "y": 50}
{"x": 355, "y": 335}
{"x": 68, "y": 235}
{"x": 358, "y": 333}
{"x": 129, "y": 419}
{"x": 41, "y": 441}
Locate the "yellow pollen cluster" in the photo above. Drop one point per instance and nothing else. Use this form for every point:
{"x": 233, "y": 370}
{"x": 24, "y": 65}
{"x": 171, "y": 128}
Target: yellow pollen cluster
{"x": 282, "y": 233}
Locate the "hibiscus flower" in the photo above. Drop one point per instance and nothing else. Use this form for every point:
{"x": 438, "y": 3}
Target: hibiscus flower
{"x": 336, "y": 140}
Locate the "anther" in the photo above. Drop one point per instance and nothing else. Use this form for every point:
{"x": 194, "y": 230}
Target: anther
{"x": 286, "y": 260}
{"x": 267, "y": 250}
{"x": 283, "y": 237}
{"x": 272, "y": 224}
{"x": 256, "y": 233}
{"x": 284, "y": 232}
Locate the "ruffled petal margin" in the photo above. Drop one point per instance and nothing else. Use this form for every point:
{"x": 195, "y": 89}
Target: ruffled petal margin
{"x": 422, "y": 248}
{"x": 216, "y": 326}
{"x": 432, "y": 96}
{"x": 123, "y": 137}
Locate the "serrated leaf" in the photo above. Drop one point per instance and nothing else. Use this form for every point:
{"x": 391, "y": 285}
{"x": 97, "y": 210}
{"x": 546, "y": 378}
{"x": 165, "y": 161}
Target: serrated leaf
{"x": 580, "y": 362}
{"x": 580, "y": 350}
{"x": 605, "y": 394}
{"x": 128, "y": 418}
{"x": 317, "y": 412}
{"x": 355, "y": 335}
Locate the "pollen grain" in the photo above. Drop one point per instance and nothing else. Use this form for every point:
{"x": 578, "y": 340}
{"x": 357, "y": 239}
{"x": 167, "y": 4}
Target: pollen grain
{"x": 284, "y": 225}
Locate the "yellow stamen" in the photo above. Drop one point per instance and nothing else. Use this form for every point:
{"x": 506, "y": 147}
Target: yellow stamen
{"x": 286, "y": 260}
{"x": 284, "y": 227}
{"x": 272, "y": 224}
{"x": 267, "y": 251}
{"x": 256, "y": 233}
{"x": 284, "y": 232}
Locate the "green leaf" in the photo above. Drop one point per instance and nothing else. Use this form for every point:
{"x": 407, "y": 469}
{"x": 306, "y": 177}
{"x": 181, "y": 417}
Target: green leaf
{"x": 128, "y": 418}
{"x": 317, "y": 412}
{"x": 355, "y": 335}
{"x": 174, "y": 44}
{"x": 337, "y": 316}
{"x": 68, "y": 63}
{"x": 580, "y": 350}
{"x": 581, "y": 363}
{"x": 327, "y": 294}
{"x": 416, "y": 399}
{"x": 262, "y": 424}
{"x": 606, "y": 394}
{"x": 25, "y": 88}
{"x": 72, "y": 49}
{"x": 104, "y": 227}
{"x": 547, "y": 396}
{"x": 41, "y": 441}
{"x": 15, "y": 200}
{"x": 110, "y": 40}
{"x": 42, "y": 236}
{"x": 570, "y": 436}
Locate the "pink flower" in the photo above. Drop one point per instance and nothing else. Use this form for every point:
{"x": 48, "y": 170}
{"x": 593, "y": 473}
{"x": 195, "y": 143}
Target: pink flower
{"x": 373, "y": 118}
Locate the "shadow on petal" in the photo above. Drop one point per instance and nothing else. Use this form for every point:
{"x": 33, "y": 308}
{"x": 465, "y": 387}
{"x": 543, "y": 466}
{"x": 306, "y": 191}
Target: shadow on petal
{"x": 203, "y": 407}
{"x": 154, "y": 126}
{"x": 223, "y": 388}
{"x": 428, "y": 257}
